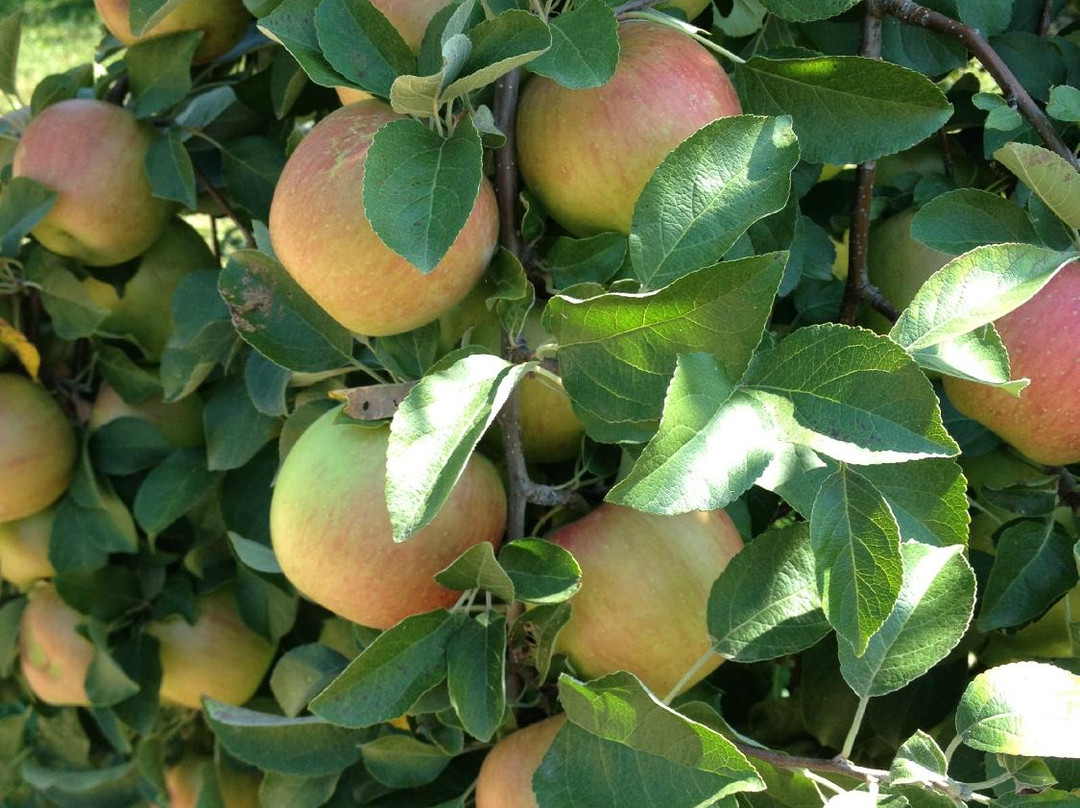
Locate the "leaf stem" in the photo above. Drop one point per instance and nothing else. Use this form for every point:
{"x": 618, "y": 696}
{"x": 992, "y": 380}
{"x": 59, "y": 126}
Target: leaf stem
{"x": 856, "y": 725}
{"x": 683, "y": 27}
{"x": 950, "y": 750}
{"x": 690, "y": 674}
{"x": 226, "y": 208}
{"x": 991, "y": 783}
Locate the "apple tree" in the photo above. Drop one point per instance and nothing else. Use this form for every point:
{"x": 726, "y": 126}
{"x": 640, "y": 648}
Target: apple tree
{"x": 543, "y": 404}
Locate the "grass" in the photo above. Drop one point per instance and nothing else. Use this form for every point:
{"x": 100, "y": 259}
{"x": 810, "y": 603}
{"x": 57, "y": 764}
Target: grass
{"x": 56, "y": 36}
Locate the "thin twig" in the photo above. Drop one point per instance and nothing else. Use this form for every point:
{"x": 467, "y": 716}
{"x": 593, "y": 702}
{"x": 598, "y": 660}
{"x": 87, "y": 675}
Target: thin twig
{"x": 226, "y": 208}
{"x": 911, "y": 13}
{"x": 506, "y": 175}
{"x": 1045, "y": 17}
{"x": 836, "y": 765}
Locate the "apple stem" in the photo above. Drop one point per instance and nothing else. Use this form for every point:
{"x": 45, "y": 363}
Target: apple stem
{"x": 911, "y": 13}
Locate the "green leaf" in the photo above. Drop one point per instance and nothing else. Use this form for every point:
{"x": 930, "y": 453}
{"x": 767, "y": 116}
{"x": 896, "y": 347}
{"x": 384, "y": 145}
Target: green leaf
{"x": 308, "y": 747}
{"x": 277, "y": 317}
{"x": 106, "y": 682}
{"x": 537, "y": 631}
{"x": 713, "y": 443}
{"x": 932, "y": 613}
{"x": 402, "y": 761}
{"x": 1064, "y": 103}
{"x": 476, "y": 674}
{"x": 169, "y": 167}
{"x": 435, "y": 431}
{"x": 172, "y": 489}
{"x": 292, "y": 24}
{"x": 918, "y": 759}
{"x": 420, "y": 188}
{"x": 279, "y": 790}
{"x": 588, "y": 260}
{"x": 622, "y": 747}
{"x": 10, "y": 34}
{"x": 766, "y": 605}
{"x": 584, "y": 47}
{"x": 422, "y": 95}
{"x": 974, "y": 290}
{"x": 1032, "y": 569}
{"x": 391, "y": 674}
{"x": 803, "y": 11}
{"x": 617, "y": 351}
{"x": 962, "y": 220}
{"x": 74, "y": 313}
{"x": 1048, "y": 175}
{"x": 95, "y": 788}
{"x": 10, "y": 619}
{"x": 160, "y": 71}
{"x": 856, "y": 544}
{"x": 362, "y": 45}
{"x": 988, "y": 16}
{"x": 849, "y": 394}
{"x": 251, "y": 167}
{"x": 707, "y": 192}
{"x": 499, "y": 45}
{"x": 267, "y": 384}
{"x": 1026, "y": 708}
{"x": 235, "y": 430}
{"x": 302, "y": 673}
{"x": 23, "y": 204}
{"x": 542, "y": 572}
{"x": 106, "y": 594}
{"x": 477, "y": 568}
{"x": 845, "y": 109}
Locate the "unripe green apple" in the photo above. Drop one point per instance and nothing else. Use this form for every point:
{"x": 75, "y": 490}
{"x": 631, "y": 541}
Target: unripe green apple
{"x": 24, "y": 549}
{"x": 184, "y": 782}
{"x": 217, "y": 656}
{"x": 222, "y": 22}
{"x": 506, "y": 775}
{"x": 645, "y": 584}
{"x": 180, "y": 423}
{"x": 588, "y": 153}
{"x": 54, "y": 656}
{"x": 331, "y": 528}
{"x": 144, "y": 312}
{"x": 898, "y": 265}
{"x": 324, "y": 239}
{"x": 92, "y": 154}
{"x": 37, "y": 449}
{"x": 1043, "y": 341}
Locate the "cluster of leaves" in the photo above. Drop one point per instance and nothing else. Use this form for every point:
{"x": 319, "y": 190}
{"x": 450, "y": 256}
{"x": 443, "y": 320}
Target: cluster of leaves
{"x": 868, "y": 614}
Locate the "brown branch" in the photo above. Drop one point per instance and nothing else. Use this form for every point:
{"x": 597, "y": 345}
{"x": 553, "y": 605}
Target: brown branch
{"x": 837, "y": 765}
{"x": 226, "y": 208}
{"x": 506, "y": 174}
{"x": 911, "y": 13}
{"x": 1045, "y": 17}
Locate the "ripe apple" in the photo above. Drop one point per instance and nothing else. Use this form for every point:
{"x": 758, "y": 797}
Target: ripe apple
{"x": 1041, "y": 338}
{"x": 898, "y": 265}
{"x": 411, "y": 18}
{"x": 645, "y": 584}
{"x": 144, "y": 312}
{"x": 322, "y": 236}
{"x": 184, "y": 782}
{"x": 222, "y": 22}
{"x": 92, "y": 154}
{"x": 24, "y": 549}
{"x": 331, "y": 528}
{"x": 54, "y": 657}
{"x": 217, "y": 656}
{"x": 506, "y": 775}
{"x": 37, "y": 449}
{"x": 180, "y": 423}
{"x": 588, "y": 153}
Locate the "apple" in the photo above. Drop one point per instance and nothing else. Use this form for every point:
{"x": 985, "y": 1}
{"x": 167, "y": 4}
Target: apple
{"x": 24, "y": 549}
{"x": 54, "y": 656}
{"x": 92, "y": 154}
{"x": 506, "y": 775}
{"x": 223, "y": 23}
{"x": 322, "y": 236}
{"x": 588, "y": 153}
{"x": 37, "y": 449}
{"x": 411, "y": 19}
{"x": 331, "y": 528}
{"x": 217, "y": 656}
{"x": 1042, "y": 340}
{"x": 144, "y": 311}
{"x": 645, "y": 584}
{"x": 898, "y": 265}
{"x": 180, "y": 423}
{"x": 184, "y": 782}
